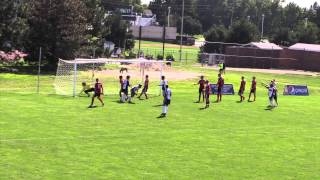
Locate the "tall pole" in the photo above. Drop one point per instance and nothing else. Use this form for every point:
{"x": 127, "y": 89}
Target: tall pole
{"x": 39, "y": 70}
{"x": 140, "y": 33}
{"x": 306, "y": 22}
{"x": 181, "y": 32}
{"x": 262, "y": 26}
{"x": 169, "y": 11}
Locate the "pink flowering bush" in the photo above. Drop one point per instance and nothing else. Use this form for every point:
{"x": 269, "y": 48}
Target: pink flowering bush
{"x": 12, "y": 58}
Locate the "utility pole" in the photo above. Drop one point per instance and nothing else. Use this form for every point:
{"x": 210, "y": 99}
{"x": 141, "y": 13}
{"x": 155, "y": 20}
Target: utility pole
{"x": 262, "y": 26}
{"x": 181, "y": 32}
{"x": 169, "y": 11}
{"x": 306, "y": 22}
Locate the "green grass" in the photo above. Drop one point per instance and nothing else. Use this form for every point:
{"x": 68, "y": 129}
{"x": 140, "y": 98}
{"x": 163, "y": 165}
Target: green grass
{"x": 48, "y": 136}
{"x": 189, "y": 53}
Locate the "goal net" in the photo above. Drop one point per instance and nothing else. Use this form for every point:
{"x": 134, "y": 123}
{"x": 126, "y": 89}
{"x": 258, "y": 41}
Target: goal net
{"x": 72, "y": 73}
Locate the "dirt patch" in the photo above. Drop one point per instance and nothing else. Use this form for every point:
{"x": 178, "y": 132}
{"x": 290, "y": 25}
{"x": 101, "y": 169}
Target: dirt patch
{"x": 171, "y": 75}
{"x": 269, "y": 71}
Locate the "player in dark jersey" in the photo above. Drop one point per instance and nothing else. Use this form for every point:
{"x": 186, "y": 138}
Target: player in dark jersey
{"x": 207, "y": 93}
{"x": 253, "y": 89}
{"x": 145, "y": 87}
{"x": 201, "y": 83}
{"x": 134, "y": 92}
{"x": 242, "y": 89}
{"x": 275, "y": 92}
{"x": 98, "y": 91}
{"x": 121, "y": 84}
{"x": 220, "y": 85}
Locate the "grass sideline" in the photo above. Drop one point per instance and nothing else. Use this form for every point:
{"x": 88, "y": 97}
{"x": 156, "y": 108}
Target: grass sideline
{"x": 55, "y": 137}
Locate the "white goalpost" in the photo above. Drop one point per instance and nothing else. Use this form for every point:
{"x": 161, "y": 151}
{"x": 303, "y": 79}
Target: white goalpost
{"x": 72, "y": 73}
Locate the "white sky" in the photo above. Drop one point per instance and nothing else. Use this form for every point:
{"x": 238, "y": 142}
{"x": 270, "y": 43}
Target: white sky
{"x": 302, "y": 3}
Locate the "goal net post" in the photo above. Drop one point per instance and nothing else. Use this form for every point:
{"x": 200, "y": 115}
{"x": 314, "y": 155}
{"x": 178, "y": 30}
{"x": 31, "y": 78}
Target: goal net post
{"x": 71, "y": 74}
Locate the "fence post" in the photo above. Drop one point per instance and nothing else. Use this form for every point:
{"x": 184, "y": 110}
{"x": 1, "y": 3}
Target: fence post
{"x": 74, "y": 79}
{"x": 39, "y": 70}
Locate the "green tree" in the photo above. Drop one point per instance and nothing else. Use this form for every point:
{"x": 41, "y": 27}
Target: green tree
{"x": 243, "y": 32}
{"x": 215, "y": 34}
{"x": 58, "y": 26}
{"x": 13, "y": 24}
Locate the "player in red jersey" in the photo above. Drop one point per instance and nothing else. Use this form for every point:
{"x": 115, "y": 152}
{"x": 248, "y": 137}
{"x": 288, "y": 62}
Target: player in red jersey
{"x": 242, "y": 89}
{"x": 98, "y": 91}
{"x": 253, "y": 89}
{"x": 220, "y": 85}
{"x": 121, "y": 84}
{"x": 145, "y": 87}
{"x": 207, "y": 93}
{"x": 202, "y": 84}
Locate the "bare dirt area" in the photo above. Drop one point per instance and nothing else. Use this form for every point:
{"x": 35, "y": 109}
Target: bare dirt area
{"x": 269, "y": 71}
{"x": 153, "y": 73}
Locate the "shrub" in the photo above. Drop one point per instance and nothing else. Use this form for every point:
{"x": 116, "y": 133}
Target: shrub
{"x": 12, "y": 58}
{"x": 159, "y": 57}
{"x": 169, "y": 57}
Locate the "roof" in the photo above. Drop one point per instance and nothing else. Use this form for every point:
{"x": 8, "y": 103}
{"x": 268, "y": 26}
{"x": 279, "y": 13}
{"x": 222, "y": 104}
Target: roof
{"x": 265, "y": 46}
{"x": 306, "y": 47}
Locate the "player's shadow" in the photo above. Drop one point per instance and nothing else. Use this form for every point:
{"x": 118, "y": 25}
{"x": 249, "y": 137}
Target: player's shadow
{"x": 239, "y": 101}
{"x": 203, "y": 108}
{"x": 269, "y": 108}
{"x": 161, "y": 117}
{"x": 159, "y": 105}
{"x": 92, "y": 107}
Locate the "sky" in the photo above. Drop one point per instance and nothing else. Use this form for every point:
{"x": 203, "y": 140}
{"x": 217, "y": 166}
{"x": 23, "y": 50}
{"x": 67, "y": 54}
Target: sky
{"x": 302, "y": 3}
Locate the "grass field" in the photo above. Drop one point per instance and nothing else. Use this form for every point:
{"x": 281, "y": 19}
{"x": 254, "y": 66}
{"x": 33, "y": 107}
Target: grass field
{"x": 48, "y": 136}
{"x": 189, "y": 53}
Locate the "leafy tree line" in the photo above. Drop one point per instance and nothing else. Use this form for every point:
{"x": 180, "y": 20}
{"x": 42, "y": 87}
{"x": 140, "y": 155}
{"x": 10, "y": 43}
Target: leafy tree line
{"x": 63, "y": 28}
{"x": 282, "y": 25}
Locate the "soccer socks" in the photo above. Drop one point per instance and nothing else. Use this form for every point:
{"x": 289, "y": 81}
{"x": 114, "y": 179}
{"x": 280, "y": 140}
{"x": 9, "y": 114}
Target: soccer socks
{"x": 164, "y": 109}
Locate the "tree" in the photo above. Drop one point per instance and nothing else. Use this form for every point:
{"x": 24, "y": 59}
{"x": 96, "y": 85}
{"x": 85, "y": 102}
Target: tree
{"x": 120, "y": 33}
{"x": 285, "y": 37}
{"x": 58, "y": 26}
{"x": 243, "y": 32}
{"x": 13, "y": 24}
{"x": 307, "y": 34}
{"x": 215, "y": 34}
{"x": 192, "y": 26}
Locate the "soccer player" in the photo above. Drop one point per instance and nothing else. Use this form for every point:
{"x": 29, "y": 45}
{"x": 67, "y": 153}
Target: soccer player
{"x": 163, "y": 84}
{"x": 145, "y": 87}
{"x": 98, "y": 91}
{"x": 242, "y": 89}
{"x": 224, "y": 68}
{"x": 86, "y": 88}
{"x": 207, "y": 93}
{"x": 220, "y": 85}
{"x": 125, "y": 88}
{"x": 275, "y": 92}
{"x": 201, "y": 83}
{"x": 253, "y": 89}
{"x": 134, "y": 91}
{"x": 166, "y": 101}
{"x": 121, "y": 84}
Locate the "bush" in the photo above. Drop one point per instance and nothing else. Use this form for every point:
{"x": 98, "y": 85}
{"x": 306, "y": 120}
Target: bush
{"x": 149, "y": 56}
{"x": 12, "y": 58}
{"x": 159, "y": 57}
{"x": 131, "y": 55}
{"x": 169, "y": 57}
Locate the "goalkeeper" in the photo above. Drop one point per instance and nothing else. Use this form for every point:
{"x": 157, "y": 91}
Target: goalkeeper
{"x": 86, "y": 88}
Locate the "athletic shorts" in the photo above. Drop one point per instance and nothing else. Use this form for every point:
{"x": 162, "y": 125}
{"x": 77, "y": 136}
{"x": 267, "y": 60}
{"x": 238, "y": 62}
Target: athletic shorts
{"x": 201, "y": 90}
{"x": 145, "y": 89}
{"x": 253, "y": 91}
{"x": 133, "y": 93}
{"x": 97, "y": 94}
{"x": 240, "y": 93}
{"x": 125, "y": 91}
{"x": 166, "y": 102}
{"x": 219, "y": 90}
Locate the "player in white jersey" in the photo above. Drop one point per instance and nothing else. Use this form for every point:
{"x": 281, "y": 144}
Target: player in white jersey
{"x": 166, "y": 101}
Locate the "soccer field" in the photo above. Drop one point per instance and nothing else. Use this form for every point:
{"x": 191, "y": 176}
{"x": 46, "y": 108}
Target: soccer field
{"x": 48, "y": 136}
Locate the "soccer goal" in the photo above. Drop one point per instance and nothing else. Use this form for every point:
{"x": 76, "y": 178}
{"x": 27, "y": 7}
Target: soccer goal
{"x": 72, "y": 73}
